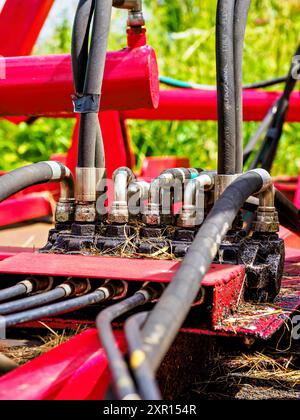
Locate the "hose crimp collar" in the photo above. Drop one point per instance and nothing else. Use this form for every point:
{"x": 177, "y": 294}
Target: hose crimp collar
{"x": 87, "y": 104}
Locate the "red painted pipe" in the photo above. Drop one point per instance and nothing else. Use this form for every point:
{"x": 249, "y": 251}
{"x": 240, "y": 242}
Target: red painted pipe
{"x": 20, "y": 24}
{"x": 190, "y": 104}
{"x": 43, "y": 85}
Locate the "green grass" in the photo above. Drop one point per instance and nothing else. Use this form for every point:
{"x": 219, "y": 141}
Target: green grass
{"x": 183, "y": 35}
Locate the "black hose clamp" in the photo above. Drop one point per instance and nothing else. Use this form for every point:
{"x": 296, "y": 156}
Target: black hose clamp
{"x": 87, "y": 104}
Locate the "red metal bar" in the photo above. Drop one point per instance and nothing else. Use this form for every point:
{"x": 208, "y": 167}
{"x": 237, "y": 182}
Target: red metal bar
{"x": 78, "y": 369}
{"x": 31, "y": 206}
{"x": 20, "y": 24}
{"x": 190, "y": 104}
{"x": 43, "y": 85}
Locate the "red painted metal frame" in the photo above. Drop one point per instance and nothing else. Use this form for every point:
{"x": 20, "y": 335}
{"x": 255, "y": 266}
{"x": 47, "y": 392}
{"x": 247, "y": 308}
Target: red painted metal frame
{"x": 75, "y": 370}
{"x": 43, "y": 85}
{"x": 78, "y": 369}
{"x": 190, "y": 104}
{"x": 20, "y": 24}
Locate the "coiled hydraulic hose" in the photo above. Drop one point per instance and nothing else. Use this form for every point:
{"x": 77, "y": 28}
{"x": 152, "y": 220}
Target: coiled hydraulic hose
{"x": 169, "y": 313}
{"x": 240, "y": 21}
{"x": 25, "y": 287}
{"x": 37, "y": 173}
{"x": 69, "y": 288}
{"x": 143, "y": 375}
{"x": 225, "y": 88}
{"x": 124, "y": 385}
{"x": 107, "y": 291}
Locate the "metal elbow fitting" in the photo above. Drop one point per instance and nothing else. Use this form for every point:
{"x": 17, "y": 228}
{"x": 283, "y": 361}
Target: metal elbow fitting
{"x": 153, "y": 213}
{"x": 193, "y": 211}
{"x": 119, "y": 212}
{"x": 267, "y": 220}
{"x": 138, "y": 192}
{"x": 65, "y": 209}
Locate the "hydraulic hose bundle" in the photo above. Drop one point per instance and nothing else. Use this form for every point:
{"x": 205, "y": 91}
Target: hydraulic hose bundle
{"x": 230, "y": 33}
{"x": 88, "y": 69}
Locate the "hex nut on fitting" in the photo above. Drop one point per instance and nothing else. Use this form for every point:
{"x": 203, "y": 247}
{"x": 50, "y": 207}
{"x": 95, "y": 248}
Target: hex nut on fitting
{"x": 119, "y": 213}
{"x": 152, "y": 215}
{"x": 266, "y": 220}
{"x": 65, "y": 211}
{"x": 85, "y": 212}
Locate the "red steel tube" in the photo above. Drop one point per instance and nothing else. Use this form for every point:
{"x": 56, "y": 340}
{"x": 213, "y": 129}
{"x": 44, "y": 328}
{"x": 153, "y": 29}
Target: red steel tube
{"x": 191, "y": 104}
{"x": 20, "y": 24}
{"x": 43, "y": 85}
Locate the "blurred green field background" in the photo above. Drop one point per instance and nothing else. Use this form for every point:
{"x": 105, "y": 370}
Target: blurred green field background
{"x": 183, "y": 35}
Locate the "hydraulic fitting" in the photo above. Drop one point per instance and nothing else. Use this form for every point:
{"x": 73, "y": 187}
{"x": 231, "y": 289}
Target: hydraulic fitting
{"x": 138, "y": 192}
{"x": 267, "y": 220}
{"x": 86, "y": 179}
{"x": 222, "y": 182}
{"x": 158, "y": 211}
{"x": 65, "y": 210}
{"x": 135, "y": 14}
{"x": 66, "y": 206}
{"x": 193, "y": 208}
{"x": 119, "y": 212}
{"x": 116, "y": 289}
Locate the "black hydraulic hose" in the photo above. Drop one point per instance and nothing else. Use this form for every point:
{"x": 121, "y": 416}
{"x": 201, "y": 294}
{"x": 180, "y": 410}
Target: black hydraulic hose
{"x": 170, "y": 312}
{"x": 143, "y": 375}
{"x": 80, "y": 42}
{"x": 240, "y": 21}
{"x": 289, "y": 215}
{"x": 37, "y": 173}
{"x": 266, "y": 83}
{"x": 69, "y": 305}
{"x": 14, "y": 291}
{"x": 262, "y": 129}
{"x": 267, "y": 153}
{"x": 90, "y": 131}
{"x": 25, "y": 287}
{"x": 225, "y": 87}
{"x": 33, "y": 301}
{"x": 124, "y": 385}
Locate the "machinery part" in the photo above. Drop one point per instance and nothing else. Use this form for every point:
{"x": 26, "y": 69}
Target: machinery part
{"x": 88, "y": 70}
{"x": 107, "y": 291}
{"x": 169, "y": 81}
{"x": 37, "y": 173}
{"x": 135, "y": 14}
{"x": 264, "y": 126}
{"x": 226, "y": 88}
{"x": 119, "y": 212}
{"x": 147, "y": 387}
{"x": 153, "y": 212}
{"x": 169, "y": 313}
{"x": 222, "y": 182}
{"x": 267, "y": 153}
{"x": 25, "y": 287}
{"x": 6, "y": 364}
{"x": 192, "y": 213}
{"x": 138, "y": 192}
{"x": 71, "y": 287}
{"x": 125, "y": 387}
{"x": 240, "y": 21}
